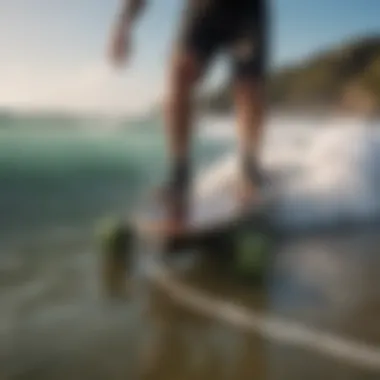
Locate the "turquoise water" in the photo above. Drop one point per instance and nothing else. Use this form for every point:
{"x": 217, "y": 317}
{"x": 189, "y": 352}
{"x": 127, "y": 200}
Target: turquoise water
{"x": 68, "y": 173}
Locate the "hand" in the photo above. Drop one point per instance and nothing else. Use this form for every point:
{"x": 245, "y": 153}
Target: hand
{"x": 119, "y": 49}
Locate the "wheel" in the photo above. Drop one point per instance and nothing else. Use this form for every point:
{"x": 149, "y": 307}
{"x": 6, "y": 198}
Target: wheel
{"x": 253, "y": 249}
{"x": 117, "y": 246}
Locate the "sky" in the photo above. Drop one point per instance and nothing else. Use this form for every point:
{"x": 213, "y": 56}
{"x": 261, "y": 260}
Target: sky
{"x": 53, "y": 57}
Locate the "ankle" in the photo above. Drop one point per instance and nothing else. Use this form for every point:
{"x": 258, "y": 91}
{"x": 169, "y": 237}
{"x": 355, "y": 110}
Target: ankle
{"x": 248, "y": 161}
{"x": 179, "y": 174}
{"x": 250, "y": 167}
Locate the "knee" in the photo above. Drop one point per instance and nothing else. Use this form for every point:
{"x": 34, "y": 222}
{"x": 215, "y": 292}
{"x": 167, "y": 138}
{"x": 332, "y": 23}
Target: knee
{"x": 249, "y": 90}
{"x": 185, "y": 73}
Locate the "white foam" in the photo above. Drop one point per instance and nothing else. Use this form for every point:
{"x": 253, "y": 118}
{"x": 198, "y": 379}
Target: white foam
{"x": 325, "y": 171}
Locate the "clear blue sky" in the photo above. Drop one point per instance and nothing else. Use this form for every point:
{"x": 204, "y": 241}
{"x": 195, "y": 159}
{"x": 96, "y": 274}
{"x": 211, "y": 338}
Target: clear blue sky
{"x": 52, "y": 51}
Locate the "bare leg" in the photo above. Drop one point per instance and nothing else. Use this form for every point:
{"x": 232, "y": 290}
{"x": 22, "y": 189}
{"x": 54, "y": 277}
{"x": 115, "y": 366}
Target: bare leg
{"x": 184, "y": 73}
{"x": 250, "y": 109}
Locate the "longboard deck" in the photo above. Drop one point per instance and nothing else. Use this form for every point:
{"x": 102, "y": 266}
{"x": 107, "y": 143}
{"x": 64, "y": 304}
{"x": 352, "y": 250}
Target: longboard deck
{"x": 206, "y": 216}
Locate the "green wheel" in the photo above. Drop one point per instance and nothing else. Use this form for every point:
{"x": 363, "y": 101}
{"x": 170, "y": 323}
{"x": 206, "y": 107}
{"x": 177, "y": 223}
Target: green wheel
{"x": 116, "y": 256}
{"x": 252, "y": 250}
{"x": 107, "y": 229}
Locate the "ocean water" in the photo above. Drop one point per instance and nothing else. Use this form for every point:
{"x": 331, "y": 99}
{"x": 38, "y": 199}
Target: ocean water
{"x": 60, "y": 176}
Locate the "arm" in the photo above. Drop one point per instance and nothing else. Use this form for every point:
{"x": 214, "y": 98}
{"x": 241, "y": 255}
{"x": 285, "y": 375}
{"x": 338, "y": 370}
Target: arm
{"x": 120, "y": 43}
{"x": 130, "y": 10}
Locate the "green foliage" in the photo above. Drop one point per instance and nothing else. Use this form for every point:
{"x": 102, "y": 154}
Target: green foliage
{"x": 320, "y": 81}
{"x": 371, "y": 79}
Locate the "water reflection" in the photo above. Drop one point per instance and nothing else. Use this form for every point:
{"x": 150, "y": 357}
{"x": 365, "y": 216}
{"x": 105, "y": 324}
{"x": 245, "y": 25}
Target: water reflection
{"x": 330, "y": 283}
{"x": 321, "y": 282}
{"x": 180, "y": 344}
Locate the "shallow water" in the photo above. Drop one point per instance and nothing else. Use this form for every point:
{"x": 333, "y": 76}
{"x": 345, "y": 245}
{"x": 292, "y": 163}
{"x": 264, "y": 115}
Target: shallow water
{"x": 54, "y": 322}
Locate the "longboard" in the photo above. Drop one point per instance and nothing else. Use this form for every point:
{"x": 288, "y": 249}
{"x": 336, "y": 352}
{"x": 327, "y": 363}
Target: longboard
{"x": 216, "y": 223}
{"x": 207, "y": 217}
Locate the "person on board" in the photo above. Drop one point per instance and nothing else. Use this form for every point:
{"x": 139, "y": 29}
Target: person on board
{"x": 239, "y": 28}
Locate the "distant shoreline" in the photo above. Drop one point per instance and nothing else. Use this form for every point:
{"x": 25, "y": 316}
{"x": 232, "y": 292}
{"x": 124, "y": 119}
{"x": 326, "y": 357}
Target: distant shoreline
{"x": 343, "y": 79}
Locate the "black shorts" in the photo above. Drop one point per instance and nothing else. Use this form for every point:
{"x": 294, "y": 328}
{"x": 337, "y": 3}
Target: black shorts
{"x": 238, "y": 27}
